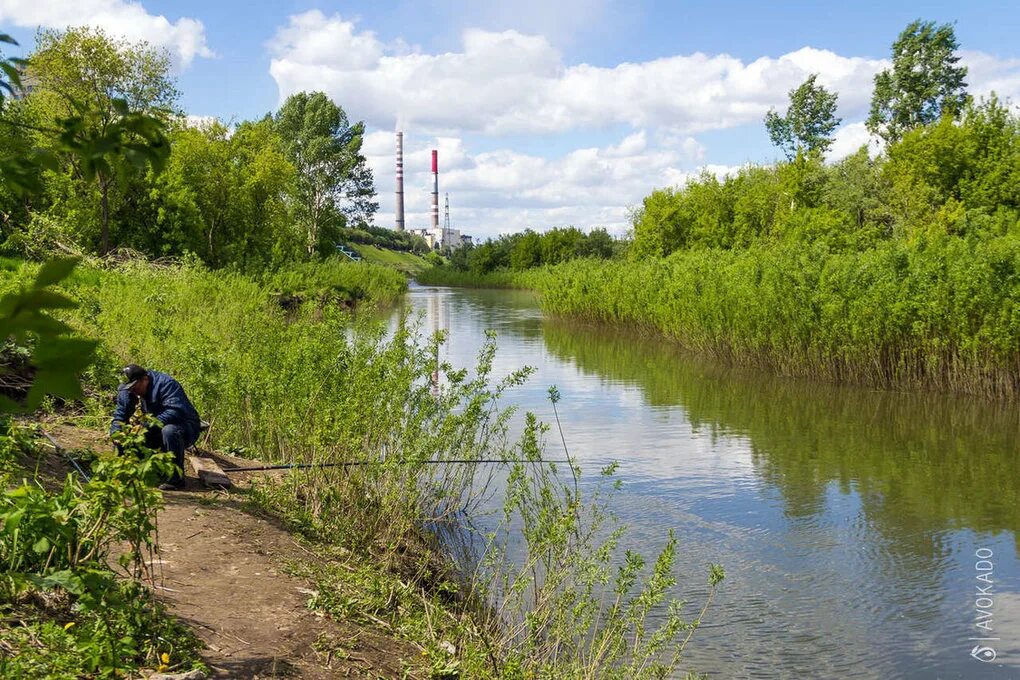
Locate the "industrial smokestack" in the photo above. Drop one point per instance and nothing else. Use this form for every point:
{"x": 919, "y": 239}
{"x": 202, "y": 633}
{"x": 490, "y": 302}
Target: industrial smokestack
{"x": 435, "y": 189}
{"x": 400, "y": 181}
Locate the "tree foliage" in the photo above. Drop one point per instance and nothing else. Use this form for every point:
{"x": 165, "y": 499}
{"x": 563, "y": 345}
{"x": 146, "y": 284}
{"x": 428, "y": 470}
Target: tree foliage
{"x": 530, "y": 249}
{"x": 809, "y": 122}
{"x": 924, "y": 84}
{"x": 949, "y": 175}
{"x": 334, "y": 181}
{"x": 111, "y": 98}
{"x": 86, "y": 161}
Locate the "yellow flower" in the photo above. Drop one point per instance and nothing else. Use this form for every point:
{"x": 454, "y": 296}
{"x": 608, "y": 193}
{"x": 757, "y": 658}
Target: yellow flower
{"x": 164, "y": 657}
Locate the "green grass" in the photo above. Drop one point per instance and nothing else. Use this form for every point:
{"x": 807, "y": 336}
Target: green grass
{"x": 409, "y": 263}
{"x": 447, "y": 276}
{"x": 337, "y": 279}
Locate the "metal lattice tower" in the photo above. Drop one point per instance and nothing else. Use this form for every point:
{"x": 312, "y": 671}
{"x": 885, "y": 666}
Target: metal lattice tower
{"x": 446, "y": 213}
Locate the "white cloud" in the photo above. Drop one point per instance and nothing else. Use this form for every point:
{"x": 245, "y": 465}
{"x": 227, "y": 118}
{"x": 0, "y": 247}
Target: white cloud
{"x": 184, "y": 38}
{"x": 509, "y": 82}
{"x": 851, "y": 137}
{"x": 987, "y": 74}
{"x": 504, "y": 190}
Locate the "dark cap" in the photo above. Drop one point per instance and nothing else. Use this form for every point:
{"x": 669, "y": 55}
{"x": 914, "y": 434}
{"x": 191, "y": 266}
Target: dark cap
{"x": 132, "y": 374}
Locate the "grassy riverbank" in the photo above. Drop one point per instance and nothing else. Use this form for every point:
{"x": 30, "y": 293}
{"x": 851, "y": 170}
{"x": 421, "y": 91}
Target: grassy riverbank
{"x": 896, "y": 271}
{"x": 448, "y": 276}
{"x": 301, "y": 382}
{"x": 409, "y": 263}
{"x": 939, "y": 311}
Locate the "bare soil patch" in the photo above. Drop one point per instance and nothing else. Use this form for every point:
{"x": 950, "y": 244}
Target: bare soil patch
{"x": 222, "y": 569}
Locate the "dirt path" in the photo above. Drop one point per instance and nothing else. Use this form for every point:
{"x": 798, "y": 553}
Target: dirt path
{"x": 221, "y": 569}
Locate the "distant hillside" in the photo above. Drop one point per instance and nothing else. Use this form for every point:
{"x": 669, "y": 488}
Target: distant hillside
{"x": 404, "y": 261}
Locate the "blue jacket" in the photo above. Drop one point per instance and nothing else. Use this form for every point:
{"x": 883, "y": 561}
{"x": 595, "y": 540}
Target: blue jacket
{"x": 164, "y": 400}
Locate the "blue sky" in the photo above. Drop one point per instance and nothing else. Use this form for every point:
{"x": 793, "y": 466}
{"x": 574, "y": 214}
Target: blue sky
{"x": 544, "y": 113}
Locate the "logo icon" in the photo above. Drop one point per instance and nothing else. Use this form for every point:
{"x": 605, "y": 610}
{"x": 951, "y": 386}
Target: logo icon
{"x": 985, "y": 654}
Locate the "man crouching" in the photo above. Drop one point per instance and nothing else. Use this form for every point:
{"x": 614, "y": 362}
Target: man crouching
{"x": 164, "y": 399}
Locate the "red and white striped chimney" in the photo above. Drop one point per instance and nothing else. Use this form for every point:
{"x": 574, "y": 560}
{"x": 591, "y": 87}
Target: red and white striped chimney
{"x": 400, "y": 181}
{"x": 435, "y": 189}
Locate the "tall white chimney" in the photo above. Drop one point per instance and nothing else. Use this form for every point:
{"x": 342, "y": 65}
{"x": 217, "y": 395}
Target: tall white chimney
{"x": 400, "y": 181}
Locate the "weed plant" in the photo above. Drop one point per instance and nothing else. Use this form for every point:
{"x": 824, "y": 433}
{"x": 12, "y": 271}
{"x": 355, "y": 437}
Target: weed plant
{"x": 65, "y": 612}
{"x": 448, "y": 276}
{"x": 541, "y": 592}
{"x": 337, "y": 280}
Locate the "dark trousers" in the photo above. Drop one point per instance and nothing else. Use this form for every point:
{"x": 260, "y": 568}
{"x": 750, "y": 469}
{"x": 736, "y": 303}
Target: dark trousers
{"x": 172, "y": 438}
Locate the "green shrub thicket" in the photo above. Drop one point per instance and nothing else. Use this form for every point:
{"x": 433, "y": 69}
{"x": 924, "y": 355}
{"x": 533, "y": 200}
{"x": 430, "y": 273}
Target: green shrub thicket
{"x": 528, "y": 249}
{"x": 900, "y": 270}
{"x": 941, "y": 311}
{"x": 302, "y": 385}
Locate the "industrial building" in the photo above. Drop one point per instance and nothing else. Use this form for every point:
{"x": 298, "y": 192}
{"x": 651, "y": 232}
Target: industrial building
{"x": 437, "y": 237}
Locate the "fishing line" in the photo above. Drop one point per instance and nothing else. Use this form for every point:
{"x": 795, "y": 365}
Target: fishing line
{"x": 354, "y": 463}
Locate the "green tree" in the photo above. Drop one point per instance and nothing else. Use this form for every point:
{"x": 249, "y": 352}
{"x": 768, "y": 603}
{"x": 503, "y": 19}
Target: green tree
{"x": 924, "y": 84}
{"x": 111, "y": 99}
{"x": 527, "y": 252}
{"x": 809, "y": 121}
{"x": 561, "y": 244}
{"x": 598, "y": 243}
{"x": 223, "y": 196}
{"x": 335, "y": 185}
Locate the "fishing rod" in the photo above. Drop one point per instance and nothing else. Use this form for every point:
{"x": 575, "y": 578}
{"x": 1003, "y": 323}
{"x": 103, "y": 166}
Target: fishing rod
{"x": 62, "y": 451}
{"x": 355, "y": 463}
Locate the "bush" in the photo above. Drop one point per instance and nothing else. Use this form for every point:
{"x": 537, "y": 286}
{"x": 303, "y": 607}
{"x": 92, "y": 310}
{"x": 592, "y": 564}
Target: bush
{"x": 65, "y": 613}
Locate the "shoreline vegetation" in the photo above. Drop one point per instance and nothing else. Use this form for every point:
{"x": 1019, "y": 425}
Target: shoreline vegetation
{"x": 901, "y": 271}
{"x": 897, "y": 266}
{"x": 537, "y": 588}
{"x": 237, "y": 291}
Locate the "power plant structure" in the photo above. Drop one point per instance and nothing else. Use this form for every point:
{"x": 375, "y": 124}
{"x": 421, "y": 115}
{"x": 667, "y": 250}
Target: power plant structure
{"x": 437, "y": 237}
{"x": 435, "y": 189}
{"x": 400, "y": 182}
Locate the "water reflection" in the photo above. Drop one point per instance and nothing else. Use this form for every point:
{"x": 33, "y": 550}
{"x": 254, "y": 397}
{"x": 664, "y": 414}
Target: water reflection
{"x": 920, "y": 463}
{"x": 847, "y": 519}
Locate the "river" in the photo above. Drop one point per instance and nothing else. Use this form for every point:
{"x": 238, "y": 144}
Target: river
{"x": 855, "y": 526}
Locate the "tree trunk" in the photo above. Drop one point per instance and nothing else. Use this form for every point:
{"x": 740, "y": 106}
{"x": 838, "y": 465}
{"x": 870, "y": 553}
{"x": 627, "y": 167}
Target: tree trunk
{"x": 104, "y": 190}
{"x": 212, "y": 227}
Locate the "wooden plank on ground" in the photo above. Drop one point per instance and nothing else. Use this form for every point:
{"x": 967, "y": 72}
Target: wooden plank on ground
{"x": 210, "y": 473}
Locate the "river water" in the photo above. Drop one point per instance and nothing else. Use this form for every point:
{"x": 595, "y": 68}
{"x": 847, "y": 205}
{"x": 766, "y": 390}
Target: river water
{"x": 853, "y": 524}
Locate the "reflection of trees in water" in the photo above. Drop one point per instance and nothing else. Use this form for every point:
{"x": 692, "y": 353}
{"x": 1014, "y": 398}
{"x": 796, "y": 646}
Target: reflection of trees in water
{"x": 920, "y": 463}
{"x": 508, "y": 311}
